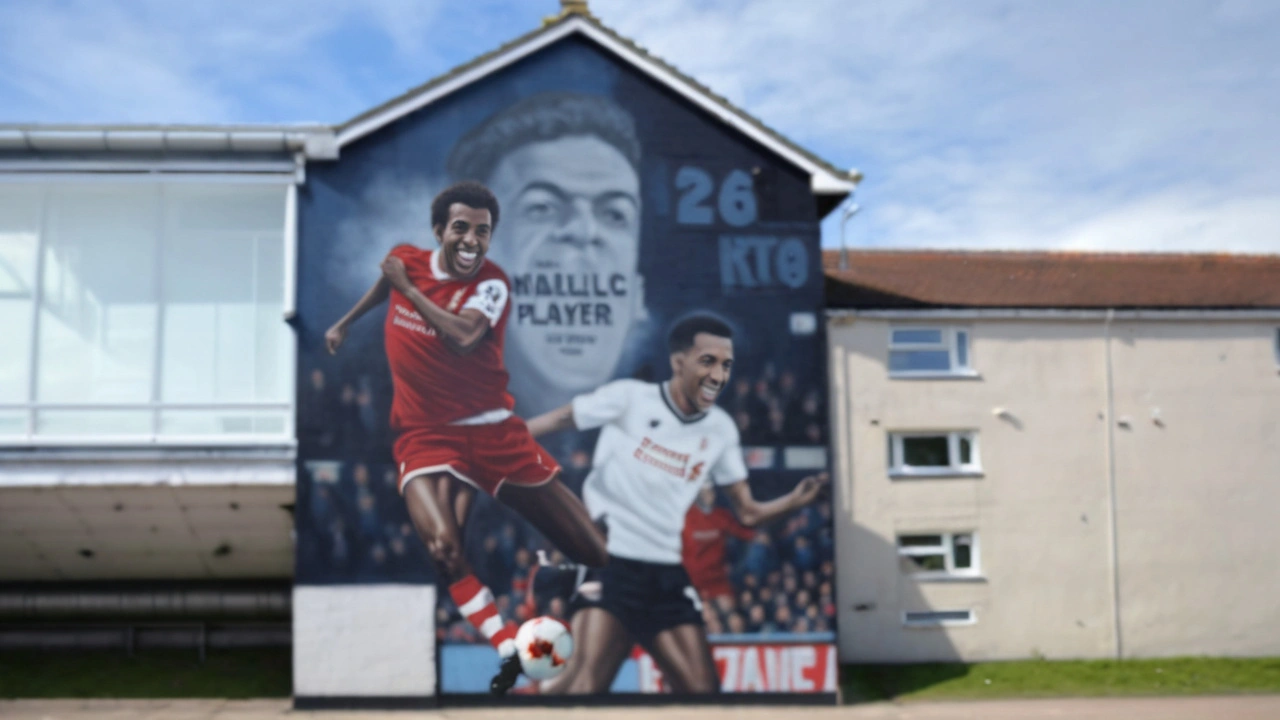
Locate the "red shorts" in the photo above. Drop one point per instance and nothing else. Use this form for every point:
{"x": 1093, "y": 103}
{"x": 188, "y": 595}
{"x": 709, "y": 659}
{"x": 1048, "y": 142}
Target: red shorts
{"x": 714, "y": 589}
{"x": 483, "y": 456}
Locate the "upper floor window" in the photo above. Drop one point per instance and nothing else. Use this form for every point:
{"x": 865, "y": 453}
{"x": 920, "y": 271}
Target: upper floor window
{"x": 928, "y": 351}
{"x": 933, "y": 453}
{"x": 143, "y": 311}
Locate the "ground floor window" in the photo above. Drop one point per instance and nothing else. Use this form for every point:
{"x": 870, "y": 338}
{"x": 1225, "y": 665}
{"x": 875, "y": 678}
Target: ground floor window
{"x": 939, "y": 555}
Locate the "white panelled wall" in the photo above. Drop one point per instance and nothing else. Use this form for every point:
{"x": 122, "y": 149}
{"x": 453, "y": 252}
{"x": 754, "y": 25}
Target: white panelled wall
{"x": 143, "y": 311}
{"x": 146, "y": 376}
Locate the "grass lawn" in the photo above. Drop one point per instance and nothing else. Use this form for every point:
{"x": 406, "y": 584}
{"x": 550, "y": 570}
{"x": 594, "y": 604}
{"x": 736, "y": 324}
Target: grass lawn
{"x": 1042, "y": 678}
{"x": 260, "y": 673}
{"x": 256, "y": 673}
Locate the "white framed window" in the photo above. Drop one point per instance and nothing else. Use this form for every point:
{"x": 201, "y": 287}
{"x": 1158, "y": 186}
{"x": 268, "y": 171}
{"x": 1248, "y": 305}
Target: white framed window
{"x": 938, "y": 618}
{"x": 939, "y": 555}
{"x": 917, "y": 351}
{"x": 145, "y": 311}
{"x": 933, "y": 454}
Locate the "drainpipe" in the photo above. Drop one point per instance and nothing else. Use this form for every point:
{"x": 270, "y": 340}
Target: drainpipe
{"x": 1111, "y": 490}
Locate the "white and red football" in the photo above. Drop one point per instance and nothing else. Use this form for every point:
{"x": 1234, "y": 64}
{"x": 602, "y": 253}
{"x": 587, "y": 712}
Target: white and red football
{"x": 544, "y": 645}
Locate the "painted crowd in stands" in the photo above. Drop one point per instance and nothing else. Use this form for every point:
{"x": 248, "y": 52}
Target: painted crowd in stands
{"x": 765, "y": 580}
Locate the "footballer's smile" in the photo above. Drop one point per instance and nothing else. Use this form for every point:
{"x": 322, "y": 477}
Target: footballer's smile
{"x": 708, "y": 391}
{"x": 701, "y": 373}
{"x": 464, "y": 240}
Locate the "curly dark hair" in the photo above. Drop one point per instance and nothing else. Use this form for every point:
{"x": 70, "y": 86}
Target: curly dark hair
{"x": 469, "y": 193}
{"x": 683, "y": 332}
{"x": 542, "y": 117}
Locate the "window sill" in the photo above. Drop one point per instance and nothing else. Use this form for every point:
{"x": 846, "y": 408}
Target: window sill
{"x": 936, "y": 375}
{"x": 945, "y": 579}
{"x": 938, "y": 625}
{"x": 934, "y": 474}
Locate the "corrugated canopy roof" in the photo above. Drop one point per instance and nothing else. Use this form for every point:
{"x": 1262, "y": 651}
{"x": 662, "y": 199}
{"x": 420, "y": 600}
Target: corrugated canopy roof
{"x": 969, "y": 279}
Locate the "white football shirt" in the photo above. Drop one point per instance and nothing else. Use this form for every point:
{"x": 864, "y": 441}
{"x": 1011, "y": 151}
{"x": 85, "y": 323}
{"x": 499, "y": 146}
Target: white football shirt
{"x": 650, "y": 461}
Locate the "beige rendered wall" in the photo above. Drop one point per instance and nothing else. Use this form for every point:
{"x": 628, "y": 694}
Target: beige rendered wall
{"x": 1041, "y": 507}
{"x": 1198, "y": 492}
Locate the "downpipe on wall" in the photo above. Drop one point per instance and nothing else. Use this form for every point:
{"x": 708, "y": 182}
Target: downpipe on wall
{"x": 1114, "y": 560}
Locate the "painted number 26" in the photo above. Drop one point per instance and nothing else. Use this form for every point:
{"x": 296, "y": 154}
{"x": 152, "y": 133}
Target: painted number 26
{"x": 736, "y": 201}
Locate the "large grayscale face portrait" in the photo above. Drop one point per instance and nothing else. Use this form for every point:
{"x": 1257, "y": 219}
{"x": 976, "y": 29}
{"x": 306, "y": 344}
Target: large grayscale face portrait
{"x": 565, "y": 170}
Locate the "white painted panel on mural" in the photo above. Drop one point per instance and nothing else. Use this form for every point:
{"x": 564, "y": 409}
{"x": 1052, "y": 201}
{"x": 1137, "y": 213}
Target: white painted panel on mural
{"x": 364, "y": 640}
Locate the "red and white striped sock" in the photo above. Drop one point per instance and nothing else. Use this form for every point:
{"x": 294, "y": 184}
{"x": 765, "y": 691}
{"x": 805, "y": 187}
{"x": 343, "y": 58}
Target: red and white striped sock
{"x": 475, "y": 602}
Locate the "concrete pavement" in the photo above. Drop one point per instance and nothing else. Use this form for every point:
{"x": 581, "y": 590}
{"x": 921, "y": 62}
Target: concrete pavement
{"x": 1239, "y": 707}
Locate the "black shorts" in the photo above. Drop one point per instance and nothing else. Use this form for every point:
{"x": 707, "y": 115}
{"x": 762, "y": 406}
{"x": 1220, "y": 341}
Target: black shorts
{"x": 647, "y": 598}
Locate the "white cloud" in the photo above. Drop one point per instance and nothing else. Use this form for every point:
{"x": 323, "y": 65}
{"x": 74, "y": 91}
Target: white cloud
{"x": 985, "y": 123}
{"x": 60, "y": 60}
{"x": 1182, "y": 220}
{"x": 1005, "y": 124}
{"x": 202, "y": 62}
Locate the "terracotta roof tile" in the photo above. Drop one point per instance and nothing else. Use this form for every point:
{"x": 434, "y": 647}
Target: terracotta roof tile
{"x": 909, "y": 278}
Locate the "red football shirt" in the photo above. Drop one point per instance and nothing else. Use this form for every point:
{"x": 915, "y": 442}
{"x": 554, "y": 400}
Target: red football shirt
{"x": 433, "y": 384}
{"x": 703, "y": 549}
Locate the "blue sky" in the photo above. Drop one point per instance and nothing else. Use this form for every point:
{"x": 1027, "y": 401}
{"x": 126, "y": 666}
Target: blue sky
{"x": 1081, "y": 124}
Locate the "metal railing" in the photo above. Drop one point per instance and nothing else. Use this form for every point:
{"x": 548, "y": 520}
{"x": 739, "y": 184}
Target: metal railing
{"x": 155, "y": 436}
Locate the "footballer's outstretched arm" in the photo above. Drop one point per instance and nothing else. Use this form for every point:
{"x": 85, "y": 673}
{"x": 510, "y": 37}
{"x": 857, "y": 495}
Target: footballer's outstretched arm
{"x": 463, "y": 331}
{"x": 334, "y": 336}
{"x": 552, "y": 421}
{"x": 753, "y": 512}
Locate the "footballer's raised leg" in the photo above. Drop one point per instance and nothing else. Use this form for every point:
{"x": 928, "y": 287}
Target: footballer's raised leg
{"x": 433, "y": 502}
{"x": 438, "y": 505}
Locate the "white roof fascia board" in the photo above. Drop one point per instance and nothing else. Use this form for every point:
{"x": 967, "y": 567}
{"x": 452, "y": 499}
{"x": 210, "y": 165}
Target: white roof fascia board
{"x": 67, "y": 140}
{"x": 13, "y": 139}
{"x": 135, "y": 141}
{"x": 321, "y": 146}
{"x": 823, "y": 181}
{"x": 1200, "y": 314}
{"x": 25, "y": 170}
{"x": 198, "y": 141}
{"x": 264, "y": 142}
{"x": 317, "y": 143}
